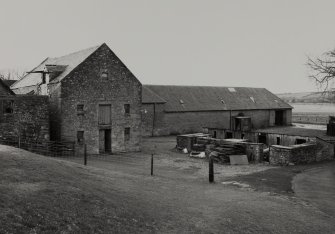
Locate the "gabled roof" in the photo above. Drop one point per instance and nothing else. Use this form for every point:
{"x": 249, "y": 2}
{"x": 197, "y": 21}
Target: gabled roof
{"x": 69, "y": 62}
{"x": 208, "y": 98}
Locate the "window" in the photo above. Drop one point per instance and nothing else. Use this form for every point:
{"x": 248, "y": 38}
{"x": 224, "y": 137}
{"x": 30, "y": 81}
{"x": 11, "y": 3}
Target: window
{"x": 127, "y": 109}
{"x": 104, "y": 74}
{"x": 80, "y": 109}
{"x": 229, "y": 135}
{"x": 80, "y": 137}
{"x": 300, "y": 141}
{"x": 127, "y": 134}
{"x": 7, "y": 106}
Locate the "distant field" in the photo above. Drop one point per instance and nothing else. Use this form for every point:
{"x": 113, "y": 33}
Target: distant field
{"x": 314, "y": 113}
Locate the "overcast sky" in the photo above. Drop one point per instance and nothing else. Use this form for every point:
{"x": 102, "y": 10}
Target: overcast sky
{"x": 258, "y": 43}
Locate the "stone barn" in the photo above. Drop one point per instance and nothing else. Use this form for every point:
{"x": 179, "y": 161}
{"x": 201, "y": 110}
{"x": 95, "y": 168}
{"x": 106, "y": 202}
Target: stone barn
{"x": 188, "y": 109}
{"x": 94, "y": 100}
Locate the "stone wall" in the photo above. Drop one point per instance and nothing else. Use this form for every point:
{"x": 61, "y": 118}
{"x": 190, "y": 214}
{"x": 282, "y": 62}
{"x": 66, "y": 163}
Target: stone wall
{"x": 325, "y": 150}
{"x": 296, "y": 154}
{"x": 254, "y": 151}
{"x": 30, "y": 118}
{"x": 86, "y": 86}
{"x": 271, "y": 138}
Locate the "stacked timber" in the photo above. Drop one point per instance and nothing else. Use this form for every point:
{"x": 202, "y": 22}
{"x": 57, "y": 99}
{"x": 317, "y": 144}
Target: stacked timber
{"x": 187, "y": 141}
{"x": 221, "y": 149}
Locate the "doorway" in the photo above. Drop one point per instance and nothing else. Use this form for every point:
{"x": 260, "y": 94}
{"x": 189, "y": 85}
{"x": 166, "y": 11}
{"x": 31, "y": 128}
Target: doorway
{"x": 279, "y": 118}
{"x": 105, "y": 141}
{"x": 262, "y": 138}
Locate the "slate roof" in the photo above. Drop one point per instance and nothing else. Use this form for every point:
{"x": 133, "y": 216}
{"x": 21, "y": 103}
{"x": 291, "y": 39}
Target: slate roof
{"x": 149, "y": 96}
{"x": 69, "y": 62}
{"x": 208, "y": 98}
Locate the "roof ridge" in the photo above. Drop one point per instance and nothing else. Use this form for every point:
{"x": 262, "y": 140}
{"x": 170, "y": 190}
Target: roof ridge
{"x": 76, "y": 52}
{"x": 206, "y": 86}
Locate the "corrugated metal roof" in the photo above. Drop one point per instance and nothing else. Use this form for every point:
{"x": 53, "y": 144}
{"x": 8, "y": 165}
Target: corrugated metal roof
{"x": 69, "y": 62}
{"x": 208, "y": 98}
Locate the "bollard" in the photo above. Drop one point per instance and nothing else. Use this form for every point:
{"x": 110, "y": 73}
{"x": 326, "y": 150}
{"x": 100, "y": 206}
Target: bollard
{"x": 85, "y": 155}
{"x": 152, "y": 164}
{"x": 211, "y": 169}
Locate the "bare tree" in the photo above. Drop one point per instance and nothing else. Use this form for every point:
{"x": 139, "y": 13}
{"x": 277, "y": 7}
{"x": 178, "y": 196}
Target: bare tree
{"x": 12, "y": 74}
{"x": 322, "y": 71}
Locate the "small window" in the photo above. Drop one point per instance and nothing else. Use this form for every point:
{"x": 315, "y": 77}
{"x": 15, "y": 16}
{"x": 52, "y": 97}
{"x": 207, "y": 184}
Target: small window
{"x": 80, "y": 109}
{"x": 229, "y": 135}
{"x": 300, "y": 141}
{"x": 8, "y": 106}
{"x": 104, "y": 74}
{"x": 80, "y": 137}
{"x": 127, "y": 134}
{"x": 127, "y": 109}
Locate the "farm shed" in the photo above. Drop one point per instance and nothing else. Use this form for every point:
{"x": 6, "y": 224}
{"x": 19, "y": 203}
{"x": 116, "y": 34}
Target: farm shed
{"x": 187, "y": 109}
{"x": 94, "y": 99}
{"x": 309, "y": 146}
{"x": 261, "y": 136}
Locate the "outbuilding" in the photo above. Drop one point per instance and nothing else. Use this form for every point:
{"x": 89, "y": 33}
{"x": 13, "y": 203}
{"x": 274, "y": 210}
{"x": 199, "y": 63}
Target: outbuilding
{"x": 169, "y": 109}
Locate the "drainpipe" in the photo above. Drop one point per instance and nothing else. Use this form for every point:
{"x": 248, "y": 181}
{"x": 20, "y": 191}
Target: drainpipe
{"x": 153, "y": 120}
{"x": 230, "y": 121}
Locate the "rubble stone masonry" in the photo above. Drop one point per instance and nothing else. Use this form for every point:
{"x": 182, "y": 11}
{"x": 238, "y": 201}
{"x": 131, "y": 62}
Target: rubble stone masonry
{"x": 29, "y": 118}
{"x": 102, "y": 79}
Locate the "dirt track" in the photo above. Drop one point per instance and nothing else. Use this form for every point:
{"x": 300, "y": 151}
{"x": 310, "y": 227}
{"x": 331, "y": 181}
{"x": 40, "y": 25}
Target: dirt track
{"x": 38, "y": 193}
{"x": 317, "y": 186}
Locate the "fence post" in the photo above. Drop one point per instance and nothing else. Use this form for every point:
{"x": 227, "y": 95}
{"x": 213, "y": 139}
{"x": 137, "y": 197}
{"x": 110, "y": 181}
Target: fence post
{"x": 152, "y": 164}
{"x": 211, "y": 170}
{"x": 85, "y": 155}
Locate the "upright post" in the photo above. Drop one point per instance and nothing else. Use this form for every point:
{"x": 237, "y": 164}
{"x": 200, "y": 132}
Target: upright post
{"x": 152, "y": 164}
{"x": 211, "y": 170}
{"x": 85, "y": 155}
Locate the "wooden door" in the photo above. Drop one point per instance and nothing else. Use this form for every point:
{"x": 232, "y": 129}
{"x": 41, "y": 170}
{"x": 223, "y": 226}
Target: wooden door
{"x": 102, "y": 140}
{"x": 105, "y": 114}
{"x": 108, "y": 141}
